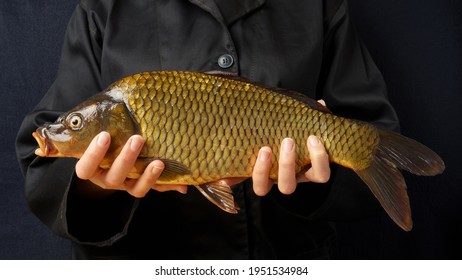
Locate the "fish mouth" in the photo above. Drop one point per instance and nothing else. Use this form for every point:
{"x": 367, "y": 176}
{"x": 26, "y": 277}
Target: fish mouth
{"x": 46, "y": 147}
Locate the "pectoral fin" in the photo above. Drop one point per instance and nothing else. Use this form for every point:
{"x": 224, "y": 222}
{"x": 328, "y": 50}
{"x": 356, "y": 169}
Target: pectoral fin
{"x": 172, "y": 169}
{"x": 220, "y": 194}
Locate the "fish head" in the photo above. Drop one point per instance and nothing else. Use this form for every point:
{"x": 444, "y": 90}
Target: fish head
{"x": 73, "y": 131}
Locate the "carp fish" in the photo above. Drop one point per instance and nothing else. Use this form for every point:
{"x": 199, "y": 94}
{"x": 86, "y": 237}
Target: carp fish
{"x": 210, "y": 126}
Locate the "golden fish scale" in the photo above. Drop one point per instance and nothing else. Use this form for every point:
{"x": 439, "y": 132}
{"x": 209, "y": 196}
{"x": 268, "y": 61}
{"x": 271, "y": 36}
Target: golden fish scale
{"x": 216, "y": 126}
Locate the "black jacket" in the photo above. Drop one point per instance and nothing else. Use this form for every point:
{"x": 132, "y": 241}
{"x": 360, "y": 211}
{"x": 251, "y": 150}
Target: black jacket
{"x": 306, "y": 46}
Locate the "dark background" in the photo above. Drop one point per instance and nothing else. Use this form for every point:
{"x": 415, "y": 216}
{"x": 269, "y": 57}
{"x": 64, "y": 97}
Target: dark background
{"x": 417, "y": 44}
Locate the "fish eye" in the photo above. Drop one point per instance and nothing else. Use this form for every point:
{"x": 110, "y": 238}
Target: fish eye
{"x": 75, "y": 121}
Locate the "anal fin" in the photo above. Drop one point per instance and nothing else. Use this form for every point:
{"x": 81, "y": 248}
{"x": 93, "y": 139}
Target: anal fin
{"x": 220, "y": 194}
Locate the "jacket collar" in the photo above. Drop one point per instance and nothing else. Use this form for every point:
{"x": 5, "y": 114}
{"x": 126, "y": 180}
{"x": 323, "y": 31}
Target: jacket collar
{"x": 228, "y": 11}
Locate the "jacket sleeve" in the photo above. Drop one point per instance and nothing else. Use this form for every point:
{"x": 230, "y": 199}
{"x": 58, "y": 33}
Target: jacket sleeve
{"x": 352, "y": 87}
{"x": 49, "y": 182}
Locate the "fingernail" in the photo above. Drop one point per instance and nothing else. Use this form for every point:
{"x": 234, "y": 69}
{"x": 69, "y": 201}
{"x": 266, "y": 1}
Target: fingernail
{"x": 287, "y": 145}
{"x": 136, "y": 144}
{"x": 157, "y": 166}
{"x": 263, "y": 155}
{"x": 103, "y": 139}
{"x": 314, "y": 141}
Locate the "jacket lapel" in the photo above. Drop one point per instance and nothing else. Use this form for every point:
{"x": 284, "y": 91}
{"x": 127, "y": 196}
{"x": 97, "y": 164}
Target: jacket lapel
{"x": 228, "y": 11}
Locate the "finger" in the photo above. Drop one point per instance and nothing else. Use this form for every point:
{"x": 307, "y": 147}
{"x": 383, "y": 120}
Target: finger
{"x": 320, "y": 169}
{"x": 139, "y": 188}
{"x": 147, "y": 180}
{"x": 261, "y": 170}
{"x": 287, "y": 181}
{"x": 322, "y": 102}
{"x": 89, "y": 163}
{"x": 233, "y": 181}
{"x": 124, "y": 162}
{"x": 164, "y": 188}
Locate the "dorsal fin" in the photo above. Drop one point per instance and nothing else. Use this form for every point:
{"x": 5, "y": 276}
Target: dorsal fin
{"x": 313, "y": 104}
{"x": 221, "y": 73}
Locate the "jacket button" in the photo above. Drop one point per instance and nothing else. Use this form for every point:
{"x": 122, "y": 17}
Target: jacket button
{"x": 225, "y": 61}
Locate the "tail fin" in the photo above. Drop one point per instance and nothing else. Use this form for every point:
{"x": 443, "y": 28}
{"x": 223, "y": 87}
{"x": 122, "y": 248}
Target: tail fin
{"x": 386, "y": 181}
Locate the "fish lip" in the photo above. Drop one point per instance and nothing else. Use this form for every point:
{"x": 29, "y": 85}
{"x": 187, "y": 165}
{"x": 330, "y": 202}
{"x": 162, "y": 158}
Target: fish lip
{"x": 46, "y": 147}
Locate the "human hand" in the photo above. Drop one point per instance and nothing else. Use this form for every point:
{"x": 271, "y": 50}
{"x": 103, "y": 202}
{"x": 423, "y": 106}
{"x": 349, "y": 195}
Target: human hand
{"x": 319, "y": 172}
{"x": 115, "y": 178}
